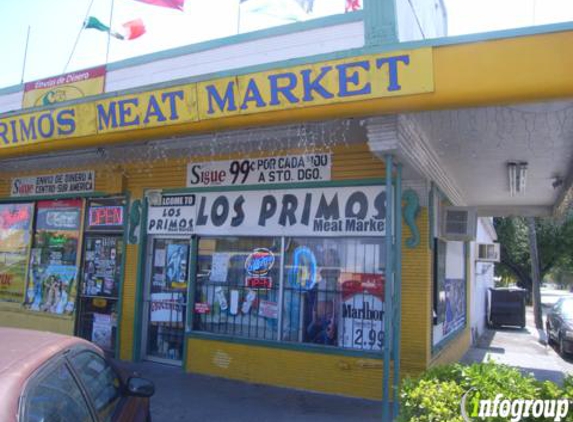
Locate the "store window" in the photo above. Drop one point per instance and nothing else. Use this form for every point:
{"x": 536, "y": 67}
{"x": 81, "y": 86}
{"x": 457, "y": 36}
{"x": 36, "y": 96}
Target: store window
{"x": 237, "y": 289}
{"x": 15, "y": 242}
{"x": 328, "y": 291}
{"x": 52, "y": 280}
{"x": 450, "y": 290}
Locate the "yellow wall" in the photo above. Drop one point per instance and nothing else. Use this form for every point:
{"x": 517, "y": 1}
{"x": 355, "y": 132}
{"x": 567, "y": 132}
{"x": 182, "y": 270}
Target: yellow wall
{"x": 328, "y": 373}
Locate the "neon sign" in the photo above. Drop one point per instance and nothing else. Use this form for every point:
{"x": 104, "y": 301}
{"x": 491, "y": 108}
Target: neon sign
{"x": 103, "y": 216}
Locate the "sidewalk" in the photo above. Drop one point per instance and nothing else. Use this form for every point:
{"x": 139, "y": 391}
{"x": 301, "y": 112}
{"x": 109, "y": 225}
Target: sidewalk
{"x": 521, "y": 348}
{"x": 186, "y": 397}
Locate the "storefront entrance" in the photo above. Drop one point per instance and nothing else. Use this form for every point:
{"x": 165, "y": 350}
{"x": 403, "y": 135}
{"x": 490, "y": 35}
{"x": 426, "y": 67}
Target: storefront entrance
{"x": 165, "y": 299}
{"x": 101, "y": 274}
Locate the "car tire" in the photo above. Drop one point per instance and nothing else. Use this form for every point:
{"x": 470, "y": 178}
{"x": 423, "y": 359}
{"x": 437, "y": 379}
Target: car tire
{"x": 549, "y": 338}
{"x": 561, "y": 346}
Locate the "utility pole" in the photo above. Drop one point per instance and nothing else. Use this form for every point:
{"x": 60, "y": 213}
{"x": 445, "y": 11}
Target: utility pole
{"x": 535, "y": 276}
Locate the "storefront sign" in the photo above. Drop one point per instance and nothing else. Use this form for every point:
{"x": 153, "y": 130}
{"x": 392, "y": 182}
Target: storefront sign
{"x": 59, "y": 215}
{"x": 344, "y": 211}
{"x": 105, "y": 216}
{"x": 166, "y": 307}
{"x": 70, "y": 86}
{"x": 259, "y": 282}
{"x": 53, "y": 184}
{"x": 202, "y": 308}
{"x": 333, "y": 82}
{"x": 268, "y": 309}
{"x": 362, "y": 316}
{"x": 175, "y": 215}
{"x": 259, "y": 262}
{"x": 15, "y": 221}
{"x": 256, "y": 171}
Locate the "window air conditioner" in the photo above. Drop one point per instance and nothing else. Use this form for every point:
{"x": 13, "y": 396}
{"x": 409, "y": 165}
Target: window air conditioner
{"x": 488, "y": 252}
{"x": 459, "y": 224}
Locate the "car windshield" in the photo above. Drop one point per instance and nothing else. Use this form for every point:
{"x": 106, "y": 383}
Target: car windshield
{"x": 567, "y": 308}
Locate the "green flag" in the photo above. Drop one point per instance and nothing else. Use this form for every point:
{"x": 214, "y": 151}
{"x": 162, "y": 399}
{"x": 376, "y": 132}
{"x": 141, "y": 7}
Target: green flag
{"x": 94, "y": 23}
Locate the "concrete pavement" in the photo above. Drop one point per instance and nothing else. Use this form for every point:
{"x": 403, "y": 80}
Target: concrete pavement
{"x": 187, "y": 397}
{"x": 521, "y": 348}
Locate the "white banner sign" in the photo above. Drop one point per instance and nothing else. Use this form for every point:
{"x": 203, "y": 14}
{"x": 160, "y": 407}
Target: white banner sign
{"x": 51, "y": 184}
{"x": 175, "y": 215}
{"x": 166, "y": 307}
{"x": 348, "y": 211}
{"x": 257, "y": 171}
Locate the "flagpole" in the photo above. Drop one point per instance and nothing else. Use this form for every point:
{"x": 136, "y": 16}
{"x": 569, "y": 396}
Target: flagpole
{"x": 25, "y": 55}
{"x": 109, "y": 33}
{"x": 78, "y": 37}
{"x": 239, "y": 19}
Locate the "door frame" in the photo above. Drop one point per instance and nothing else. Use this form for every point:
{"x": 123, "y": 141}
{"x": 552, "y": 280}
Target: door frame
{"x": 145, "y": 297}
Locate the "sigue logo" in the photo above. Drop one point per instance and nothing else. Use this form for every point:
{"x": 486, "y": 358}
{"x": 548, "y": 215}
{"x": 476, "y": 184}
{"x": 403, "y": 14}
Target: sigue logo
{"x": 516, "y": 409}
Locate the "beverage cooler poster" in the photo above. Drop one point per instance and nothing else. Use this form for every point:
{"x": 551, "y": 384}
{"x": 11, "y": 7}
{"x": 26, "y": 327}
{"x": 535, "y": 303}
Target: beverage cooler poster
{"x": 53, "y": 274}
{"x": 15, "y": 223}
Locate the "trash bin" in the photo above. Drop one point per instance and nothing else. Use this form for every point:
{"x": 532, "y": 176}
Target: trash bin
{"x": 506, "y": 306}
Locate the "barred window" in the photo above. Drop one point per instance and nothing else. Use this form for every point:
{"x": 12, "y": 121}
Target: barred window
{"x": 327, "y": 291}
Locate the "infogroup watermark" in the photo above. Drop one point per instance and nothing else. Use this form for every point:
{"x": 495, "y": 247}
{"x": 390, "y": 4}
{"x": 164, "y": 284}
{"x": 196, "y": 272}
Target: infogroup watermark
{"x": 477, "y": 408}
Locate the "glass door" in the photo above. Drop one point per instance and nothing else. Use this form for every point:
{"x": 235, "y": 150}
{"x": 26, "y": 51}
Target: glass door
{"x": 165, "y": 299}
{"x": 101, "y": 274}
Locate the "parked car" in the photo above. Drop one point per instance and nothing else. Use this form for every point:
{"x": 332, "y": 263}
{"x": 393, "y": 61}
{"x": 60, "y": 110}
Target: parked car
{"x": 560, "y": 325}
{"x": 47, "y": 377}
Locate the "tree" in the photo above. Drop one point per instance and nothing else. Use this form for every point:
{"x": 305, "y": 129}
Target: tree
{"x": 554, "y": 243}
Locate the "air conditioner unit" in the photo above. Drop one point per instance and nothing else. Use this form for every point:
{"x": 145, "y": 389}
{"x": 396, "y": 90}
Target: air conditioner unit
{"x": 459, "y": 224}
{"x": 488, "y": 252}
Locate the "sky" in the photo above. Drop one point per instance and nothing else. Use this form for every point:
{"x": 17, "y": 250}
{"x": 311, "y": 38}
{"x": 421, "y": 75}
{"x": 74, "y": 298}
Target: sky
{"x": 56, "y": 25}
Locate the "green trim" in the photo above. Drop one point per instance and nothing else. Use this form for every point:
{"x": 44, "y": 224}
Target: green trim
{"x": 380, "y": 23}
{"x": 122, "y": 272}
{"x": 302, "y": 185}
{"x": 192, "y": 280}
{"x": 431, "y": 216}
{"x": 86, "y": 195}
{"x": 388, "y": 284}
{"x": 273, "y": 344}
{"x": 140, "y": 281}
{"x": 446, "y": 341}
{"x": 397, "y": 293}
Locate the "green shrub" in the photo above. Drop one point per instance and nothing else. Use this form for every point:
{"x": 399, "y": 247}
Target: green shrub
{"x": 436, "y": 395}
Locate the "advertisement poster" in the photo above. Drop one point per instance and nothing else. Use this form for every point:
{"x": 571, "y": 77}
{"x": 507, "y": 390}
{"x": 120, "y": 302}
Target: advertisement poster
{"x": 52, "y": 280}
{"x": 54, "y": 289}
{"x": 15, "y": 239}
{"x": 102, "y": 266}
{"x": 50, "y": 184}
{"x": 219, "y": 267}
{"x": 176, "y": 265}
{"x": 362, "y": 316}
{"x": 455, "y": 305}
{"x": 340, "y": 211}
{"x": 102, "y": 331}
{"x": 167, "y": 307}
{"x": 69, "y": 86}
{"x": 257, "y": 171}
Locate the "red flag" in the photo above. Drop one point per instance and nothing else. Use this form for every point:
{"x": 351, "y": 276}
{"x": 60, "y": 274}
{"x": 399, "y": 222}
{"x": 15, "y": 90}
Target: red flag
{"x": 352, "y": 5}
{"x": 134, "y": 29}
{"x": 172, "y": 4}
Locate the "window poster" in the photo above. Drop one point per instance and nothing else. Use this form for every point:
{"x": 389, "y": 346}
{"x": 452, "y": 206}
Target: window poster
{"x": 15, "y": 223}
{"x": 102, "y": 264}
{"x": 176, "y": 265}
{"x": 52, "y": 278}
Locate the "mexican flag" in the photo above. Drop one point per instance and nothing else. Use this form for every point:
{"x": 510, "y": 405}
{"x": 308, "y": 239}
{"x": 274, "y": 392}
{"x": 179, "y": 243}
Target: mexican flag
{"x": 171, "y": 4}
{"x": 128, "y": 31}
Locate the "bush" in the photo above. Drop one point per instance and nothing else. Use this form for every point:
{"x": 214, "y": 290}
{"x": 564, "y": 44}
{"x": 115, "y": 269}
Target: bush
{"x": 436, "y": 395}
